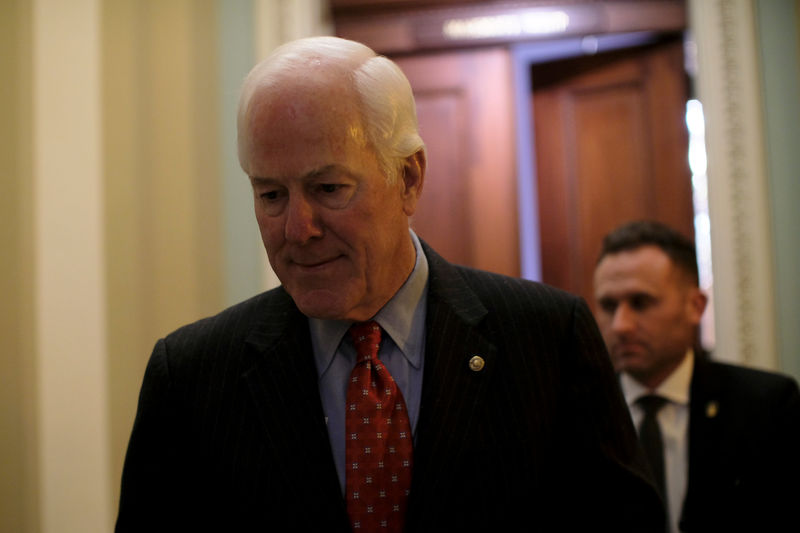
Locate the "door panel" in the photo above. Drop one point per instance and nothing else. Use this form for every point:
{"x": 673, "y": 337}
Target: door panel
{"x": 443, "y": 218}
{"x": 468, "y": 208}
{"x": 611, "y": 146}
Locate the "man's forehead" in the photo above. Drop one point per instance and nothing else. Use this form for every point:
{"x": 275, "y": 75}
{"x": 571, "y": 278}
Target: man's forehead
{"x": 291, "y": 135}
{"x": 313, "y": 77}
{"x": 618, "y": 285}
{"x": 301, "y": 94}
{"x": 642, "y": 259}
{"x": 644, "y": 270}
{"x": 316, "y": 115}
{"x": 626, "y": 290}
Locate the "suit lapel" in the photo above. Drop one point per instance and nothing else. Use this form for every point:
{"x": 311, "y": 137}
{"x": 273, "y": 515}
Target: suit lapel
{"x": 451, "y": 389}
{"x": 283, "y": 385}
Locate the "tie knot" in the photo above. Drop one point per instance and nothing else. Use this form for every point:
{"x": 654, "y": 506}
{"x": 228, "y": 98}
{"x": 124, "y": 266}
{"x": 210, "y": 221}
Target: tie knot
{"x": 651, "y": 403}
{"x": 366, "y": 337}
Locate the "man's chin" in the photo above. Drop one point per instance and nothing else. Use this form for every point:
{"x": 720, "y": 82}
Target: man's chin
{"x": 328, "y": 305}
{"x": 320, "y": 308}
{"x": 632, "y": 362}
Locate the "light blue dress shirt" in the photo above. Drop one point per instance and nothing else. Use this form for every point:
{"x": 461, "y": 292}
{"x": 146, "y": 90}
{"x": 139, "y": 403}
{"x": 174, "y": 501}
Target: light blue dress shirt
{"x": 402, "y": 351}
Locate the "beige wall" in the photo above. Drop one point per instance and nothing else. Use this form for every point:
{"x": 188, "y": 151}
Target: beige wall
{"x": 18, "y": 464}
{"x": 161, "y": 168}
{"x": 110, "y": 226}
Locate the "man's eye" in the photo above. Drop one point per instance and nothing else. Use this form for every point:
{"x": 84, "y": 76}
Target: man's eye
{"x": 269, "y": 195}
{"x": 271, "y": 201}
{"x": 330, "y": 187}
{"x": 608, "y": 306}
{"x": 334, "y": 195}
{"x": 641, "y": 302}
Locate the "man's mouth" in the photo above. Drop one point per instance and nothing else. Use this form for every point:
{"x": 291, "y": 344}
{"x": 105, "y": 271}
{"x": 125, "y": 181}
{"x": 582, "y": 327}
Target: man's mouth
{"x": 628, "y": 347}
{"x": 313, "y": 263}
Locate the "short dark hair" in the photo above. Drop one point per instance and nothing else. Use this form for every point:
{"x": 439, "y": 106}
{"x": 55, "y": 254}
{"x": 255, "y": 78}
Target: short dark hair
{"x": 634, "y": 235}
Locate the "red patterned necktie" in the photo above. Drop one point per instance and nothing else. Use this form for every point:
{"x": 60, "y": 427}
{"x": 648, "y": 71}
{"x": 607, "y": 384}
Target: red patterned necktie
{"x": 379, "y": 449}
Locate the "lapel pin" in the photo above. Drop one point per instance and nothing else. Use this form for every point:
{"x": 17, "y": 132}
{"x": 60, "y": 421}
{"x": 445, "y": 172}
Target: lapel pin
{"x": 712, "y": 408}
{"x": 476, "y": 363}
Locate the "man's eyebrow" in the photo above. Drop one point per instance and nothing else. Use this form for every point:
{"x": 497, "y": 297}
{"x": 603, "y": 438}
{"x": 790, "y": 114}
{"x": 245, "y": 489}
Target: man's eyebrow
{"x": 315, "y": 173}
{"x": 260, "y": 181}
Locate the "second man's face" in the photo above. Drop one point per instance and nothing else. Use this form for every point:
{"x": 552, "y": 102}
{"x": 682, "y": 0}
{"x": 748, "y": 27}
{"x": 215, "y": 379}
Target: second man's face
{"x": 335, "y": 229}
{"x": 647, "y": 310}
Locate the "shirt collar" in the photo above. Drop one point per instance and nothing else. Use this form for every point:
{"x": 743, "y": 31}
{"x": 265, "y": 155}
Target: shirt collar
{"x": 402, "y": 318}
{"x": 675, "y": 388}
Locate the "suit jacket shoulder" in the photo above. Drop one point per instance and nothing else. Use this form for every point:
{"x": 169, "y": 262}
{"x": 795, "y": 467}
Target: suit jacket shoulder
{"x": 744, "y": 433}
{"x": 714, "y": 377}
{"x": 230, "y": 428}
{"x": 265, "y": 314}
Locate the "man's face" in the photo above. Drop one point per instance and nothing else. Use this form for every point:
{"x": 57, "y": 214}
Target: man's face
{"x": 335, "y": 230}
{"x": 647, "y": 310}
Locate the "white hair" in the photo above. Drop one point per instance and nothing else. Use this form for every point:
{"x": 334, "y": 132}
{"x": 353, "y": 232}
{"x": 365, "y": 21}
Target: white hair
{"x": 384, "y": 94}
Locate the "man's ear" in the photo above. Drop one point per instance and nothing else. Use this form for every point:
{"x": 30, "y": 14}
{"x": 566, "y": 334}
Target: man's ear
{"x": 697, "y": 304}
{"x": 413, "y": 177}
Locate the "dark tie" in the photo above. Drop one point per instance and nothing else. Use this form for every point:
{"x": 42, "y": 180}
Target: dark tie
{"x": 379, "y": 449}
{"x": 650, "y": 438}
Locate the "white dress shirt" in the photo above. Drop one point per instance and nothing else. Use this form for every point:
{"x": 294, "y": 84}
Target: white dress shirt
{"x": 673, "y": 420}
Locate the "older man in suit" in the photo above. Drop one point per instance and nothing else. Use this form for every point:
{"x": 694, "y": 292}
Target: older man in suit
{"x": 722, "y": 440}
{"x": 379, "y": 388}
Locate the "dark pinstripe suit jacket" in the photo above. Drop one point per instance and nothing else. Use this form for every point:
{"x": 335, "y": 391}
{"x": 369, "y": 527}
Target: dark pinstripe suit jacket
{"x": 744, "y": 450}
{"x": 230, "y": 436}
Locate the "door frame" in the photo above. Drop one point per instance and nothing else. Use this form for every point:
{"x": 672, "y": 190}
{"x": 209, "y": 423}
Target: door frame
{"x": 523, "y": 55}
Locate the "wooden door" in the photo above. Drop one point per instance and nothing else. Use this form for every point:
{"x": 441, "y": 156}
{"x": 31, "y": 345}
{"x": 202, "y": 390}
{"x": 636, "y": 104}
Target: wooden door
{"x": 611, "y": 146}
{"x": 468, "y": 208}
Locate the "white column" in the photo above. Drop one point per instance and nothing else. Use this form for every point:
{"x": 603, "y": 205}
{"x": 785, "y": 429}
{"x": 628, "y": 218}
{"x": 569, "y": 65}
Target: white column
{"x": 70, "y": 296}
{"x": 729, "y": 88}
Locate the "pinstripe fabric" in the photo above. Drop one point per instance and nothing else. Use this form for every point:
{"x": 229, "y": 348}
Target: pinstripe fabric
{"x": 230, "y": 428}
{"x": 541, "y": 435}
{"x": 223, "y": 402}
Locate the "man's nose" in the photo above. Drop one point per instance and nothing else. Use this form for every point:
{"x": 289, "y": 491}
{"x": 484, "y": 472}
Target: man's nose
{"x": 624, "y": 319}
{"x": 301, "y": 220}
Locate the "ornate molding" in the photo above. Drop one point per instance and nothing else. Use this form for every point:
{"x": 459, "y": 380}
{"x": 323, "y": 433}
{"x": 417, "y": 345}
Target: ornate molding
{"x": 737, "y": 176}
{"x": 729, "y": 88}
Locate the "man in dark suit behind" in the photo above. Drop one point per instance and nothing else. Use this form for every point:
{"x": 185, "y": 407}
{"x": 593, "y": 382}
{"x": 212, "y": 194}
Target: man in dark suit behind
{"x": 729, "y": 435}
{"x": 516, "y": 418}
